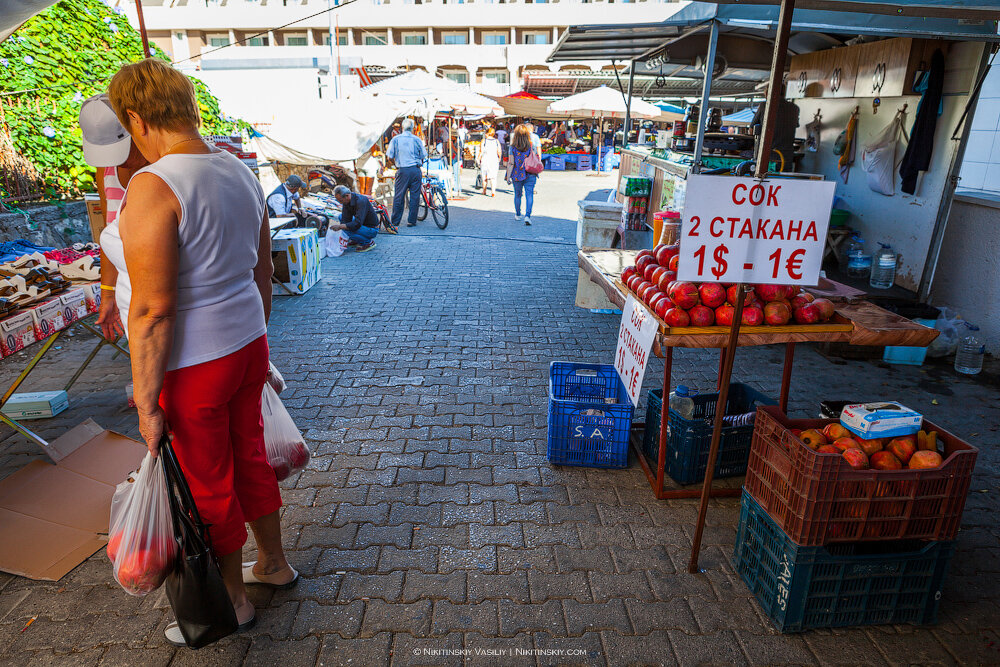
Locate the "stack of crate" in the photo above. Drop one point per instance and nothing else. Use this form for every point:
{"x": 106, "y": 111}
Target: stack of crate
{"x": 821, "y": 544}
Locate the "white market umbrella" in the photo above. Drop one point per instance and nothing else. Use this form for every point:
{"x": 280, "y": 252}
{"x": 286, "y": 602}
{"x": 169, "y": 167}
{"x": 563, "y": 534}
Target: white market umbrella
{"x": 603, "y": 102}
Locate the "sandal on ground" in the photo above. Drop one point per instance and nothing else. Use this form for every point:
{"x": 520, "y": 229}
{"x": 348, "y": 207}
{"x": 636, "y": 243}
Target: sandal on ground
{"x": 173, "y": 634}
{"x": 251, "y": 577}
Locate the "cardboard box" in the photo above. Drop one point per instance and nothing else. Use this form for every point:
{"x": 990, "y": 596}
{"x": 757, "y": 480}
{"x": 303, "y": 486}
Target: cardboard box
{"x": 95, "y": 212}
{"x": 74, "y": 304}
{"x": 296, "y": 259}
{"x": 883, "y": 419}
{"x": 16, "y": 333}
{"x": 92, "y": 293}
{"x": 36, "y": 404}
{"x": 48, "y": 318}
{"x": 60, "y": 512}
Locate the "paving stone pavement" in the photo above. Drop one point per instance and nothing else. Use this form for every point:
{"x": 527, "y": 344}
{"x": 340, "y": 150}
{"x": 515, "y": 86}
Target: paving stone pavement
{"x": 429, "y": 527}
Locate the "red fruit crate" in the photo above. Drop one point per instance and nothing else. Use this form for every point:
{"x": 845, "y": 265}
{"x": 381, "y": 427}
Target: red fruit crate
{"x": 819, "y": 499}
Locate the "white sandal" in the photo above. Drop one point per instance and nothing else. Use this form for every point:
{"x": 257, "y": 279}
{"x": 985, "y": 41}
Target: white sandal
{"x": 81, "y": 269}
{"x": 251, "y": 577}
{"x": 172, "y": 633}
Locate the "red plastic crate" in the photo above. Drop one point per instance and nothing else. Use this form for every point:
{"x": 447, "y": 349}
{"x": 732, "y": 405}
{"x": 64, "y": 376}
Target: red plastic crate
{"x": 819, "y": 499}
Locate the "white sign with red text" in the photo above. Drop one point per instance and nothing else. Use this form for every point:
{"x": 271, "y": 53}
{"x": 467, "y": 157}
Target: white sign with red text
{"x": 743, "y": 230}
{"x": 635, "y": 343}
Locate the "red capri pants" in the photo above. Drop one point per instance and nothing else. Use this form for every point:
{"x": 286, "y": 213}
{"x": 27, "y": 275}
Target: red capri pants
{"x": 213, "y": 410}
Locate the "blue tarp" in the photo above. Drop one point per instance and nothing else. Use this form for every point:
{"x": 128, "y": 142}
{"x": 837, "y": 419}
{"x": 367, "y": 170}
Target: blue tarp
{"x": 742, "y": 117}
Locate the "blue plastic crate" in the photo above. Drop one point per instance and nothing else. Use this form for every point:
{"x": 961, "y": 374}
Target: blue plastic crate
{"x": 688, "y": 440}
{"x": 556, "y": 163}
{"x": 840, "y": 585}
{"x": 590, "y": 415}
{"x": 907, "y": 355}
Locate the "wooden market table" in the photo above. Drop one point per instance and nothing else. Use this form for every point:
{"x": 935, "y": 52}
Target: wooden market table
{"x": 856, "y": 322}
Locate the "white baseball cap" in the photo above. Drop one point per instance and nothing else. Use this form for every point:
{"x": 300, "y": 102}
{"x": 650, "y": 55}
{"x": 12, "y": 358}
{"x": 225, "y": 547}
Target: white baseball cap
{"x": 106, "y": 143}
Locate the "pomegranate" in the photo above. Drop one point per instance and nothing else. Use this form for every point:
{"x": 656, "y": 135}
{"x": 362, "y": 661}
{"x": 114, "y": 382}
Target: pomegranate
{"x": 768, "y": 293}
{"x": 825, "y": 308}
{"x": 676, "y": 317}
{"x": 924, "y": 459}
{"x": 777, "y": 313}
{"x": 724, "y": 315}
{"x": 733, "y": 291}
{"x": 643, "y": 261}
{"x": 712, "y": 295}
{"x": 846, "y": 443}
{"x": 883, "y": 460}
{"x": 828, "y": 449}
{"x": 662, "y": 306}
{"x": 856, "y": 458}
{"x": 702, "y": 316}
{"x": 753, "y": 316}
{"x": 812, "y": 438}
{"x": 807, "y": 314}
{"x": 673, "y": 262}
{"x": 628, "y": 273}
{"x": 657, "y": 274}
{"x": 648, "y": 270}
{"x": 902, "y": 448}
{"x": 684, "y": 295}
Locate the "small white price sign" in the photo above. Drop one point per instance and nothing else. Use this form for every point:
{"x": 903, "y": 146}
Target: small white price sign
{"x": 635, "y": 342}
{"x": 742, "y": 230}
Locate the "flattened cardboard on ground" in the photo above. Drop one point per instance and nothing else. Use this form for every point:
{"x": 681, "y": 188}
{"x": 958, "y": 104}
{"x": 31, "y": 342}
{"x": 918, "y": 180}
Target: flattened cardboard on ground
{"x": 54, "y": 517}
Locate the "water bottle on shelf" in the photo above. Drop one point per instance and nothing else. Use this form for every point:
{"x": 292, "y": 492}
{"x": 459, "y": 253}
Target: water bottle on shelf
{"x": 681, "y": 402}
{"x": 859, "y": 265}
{"x": 883, "y": 268}
{"x": 969, "y": 357}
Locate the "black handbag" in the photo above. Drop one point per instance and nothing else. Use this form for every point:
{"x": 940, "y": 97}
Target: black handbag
{"x": 197, "y": 593}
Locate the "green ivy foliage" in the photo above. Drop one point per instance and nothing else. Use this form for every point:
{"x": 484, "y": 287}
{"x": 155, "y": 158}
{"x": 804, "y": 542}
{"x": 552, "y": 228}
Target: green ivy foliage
{"x": 69, "y": 52}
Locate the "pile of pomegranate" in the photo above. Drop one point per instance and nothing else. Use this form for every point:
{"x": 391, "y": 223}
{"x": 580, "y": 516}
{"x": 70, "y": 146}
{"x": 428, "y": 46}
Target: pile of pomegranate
{"x": 684, "y": 304}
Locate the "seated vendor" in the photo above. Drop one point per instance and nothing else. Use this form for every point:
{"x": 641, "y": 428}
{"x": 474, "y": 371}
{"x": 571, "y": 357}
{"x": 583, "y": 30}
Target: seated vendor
{"x": 285, "y": 201}
{"x": 358, "y": 219}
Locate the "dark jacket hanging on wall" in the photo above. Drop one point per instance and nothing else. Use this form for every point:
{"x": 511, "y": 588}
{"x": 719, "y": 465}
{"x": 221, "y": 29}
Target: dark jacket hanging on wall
{"x": 918, "y": 153}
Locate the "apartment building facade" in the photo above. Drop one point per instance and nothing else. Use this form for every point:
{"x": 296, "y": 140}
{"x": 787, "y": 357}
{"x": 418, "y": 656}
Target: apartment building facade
{"x": 488, "y": 45}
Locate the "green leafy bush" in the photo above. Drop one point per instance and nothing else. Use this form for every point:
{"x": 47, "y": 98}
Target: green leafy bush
{"x": 69, "y": 52}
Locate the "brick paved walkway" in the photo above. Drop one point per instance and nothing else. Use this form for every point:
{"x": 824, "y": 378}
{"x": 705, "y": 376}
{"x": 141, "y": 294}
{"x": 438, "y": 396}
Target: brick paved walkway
{"x": 430, "y": 520}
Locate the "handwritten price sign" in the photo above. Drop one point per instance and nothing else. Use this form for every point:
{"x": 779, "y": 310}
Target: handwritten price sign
{"x": 741, "y": 230}
{"x": 635, "y": 341}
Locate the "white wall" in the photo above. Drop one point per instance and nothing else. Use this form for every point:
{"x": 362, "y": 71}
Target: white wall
{"x": 968, "y": 275}
{"x": 981, "y": 166}
{"x": 906, "y": 222}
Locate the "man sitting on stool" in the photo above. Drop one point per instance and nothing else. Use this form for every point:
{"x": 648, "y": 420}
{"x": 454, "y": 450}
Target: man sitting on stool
{"x": 285, "y": 201}
{"x": 408, "y": 152}
{"x": 358, "y": 219}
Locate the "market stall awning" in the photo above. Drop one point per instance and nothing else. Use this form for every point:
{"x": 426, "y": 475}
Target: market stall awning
{"x": 741, "y": 117}
{"x": 963, "y": 9}
{"x": 527, "y": 106}
{"x": 647, "y": 85}
{"x": 602, "y": 102}
{"x": 15, "y": 12}
{"x": 746, "y": 31}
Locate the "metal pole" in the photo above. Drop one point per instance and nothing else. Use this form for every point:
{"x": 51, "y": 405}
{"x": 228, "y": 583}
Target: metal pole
{"x": 628, "y": 106}
{"x": 332, "y": 38}
{"x": 706, "y": 91}
{"x": 774, "y": 86}
{"x": 773, "y": 93}
{"x": 142, "y": 29}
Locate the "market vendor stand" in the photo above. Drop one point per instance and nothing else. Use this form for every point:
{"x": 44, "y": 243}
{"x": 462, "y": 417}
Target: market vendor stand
{"x": 858, "y": 323}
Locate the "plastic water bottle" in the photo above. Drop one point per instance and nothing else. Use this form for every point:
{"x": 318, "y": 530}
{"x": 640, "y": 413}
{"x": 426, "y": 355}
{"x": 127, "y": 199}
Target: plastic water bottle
{"x": 681, "y": 402}
{"x": 969, "y": 357}
{"x": 859, "y": 265}
{"x": 883, "y": 268}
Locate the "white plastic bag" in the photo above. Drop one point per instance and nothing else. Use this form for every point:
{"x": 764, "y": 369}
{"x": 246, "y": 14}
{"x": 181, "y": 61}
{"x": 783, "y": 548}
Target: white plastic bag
{"x": 284, "y": 445}
{"x": 275, "y": 379}
{"x": 950, "y": 326}
{"x": 878, "y": 158}
{"x": 141, "y": 542}
{"x": 335, "y": 244}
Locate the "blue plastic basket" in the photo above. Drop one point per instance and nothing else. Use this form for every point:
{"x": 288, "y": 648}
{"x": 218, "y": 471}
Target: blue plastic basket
{"x": 590, "y": 415}
{"x": 840, "y": 585}
{"x": 688, "y": 440}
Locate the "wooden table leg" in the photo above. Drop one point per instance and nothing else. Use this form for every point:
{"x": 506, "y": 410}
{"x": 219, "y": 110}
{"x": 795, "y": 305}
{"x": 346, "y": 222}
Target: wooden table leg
{"x": 722, "y": 363}
{"x": 786, "y": 377}
{"x": 661, "y": 458}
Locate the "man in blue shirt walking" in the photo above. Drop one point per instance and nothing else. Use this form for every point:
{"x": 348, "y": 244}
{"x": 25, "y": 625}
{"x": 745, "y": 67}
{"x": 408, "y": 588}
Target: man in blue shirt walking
{"x": 409, "y": 154}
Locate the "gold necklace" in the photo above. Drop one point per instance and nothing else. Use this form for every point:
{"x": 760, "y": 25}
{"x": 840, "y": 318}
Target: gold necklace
{"x": 183, "y": 141}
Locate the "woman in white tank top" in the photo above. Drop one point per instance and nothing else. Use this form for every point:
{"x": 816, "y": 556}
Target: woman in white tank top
{"x": 192, "y": 249}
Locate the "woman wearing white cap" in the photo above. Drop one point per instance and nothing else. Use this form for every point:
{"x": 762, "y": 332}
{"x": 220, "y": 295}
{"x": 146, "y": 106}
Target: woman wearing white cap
{"x": 108, "y": 146}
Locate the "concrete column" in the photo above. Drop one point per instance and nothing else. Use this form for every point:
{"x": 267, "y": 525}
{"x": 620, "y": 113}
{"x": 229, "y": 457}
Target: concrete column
{"x": 270, "y": 38}
{"x": 310, "y": 37}
{"x": 555, "y": 34}
{"x": 472, "y": 35}
{"x": 232, "y": 36}
{"x": 430, "y": 35}
{"x": 513, "y": 35}
{"x": 350, "y": 35}
{"x": 388, "y": 37}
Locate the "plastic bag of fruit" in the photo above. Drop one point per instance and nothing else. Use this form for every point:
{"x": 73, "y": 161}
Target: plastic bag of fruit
{"x": 275, "y": 379}
{"x": 285, "y": 447}
{"x": 141, "y": 542}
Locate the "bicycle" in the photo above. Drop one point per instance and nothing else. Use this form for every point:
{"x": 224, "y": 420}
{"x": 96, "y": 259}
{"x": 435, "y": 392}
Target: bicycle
{"x": 385, "y": 220}
{"x": 433, "y": 200}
